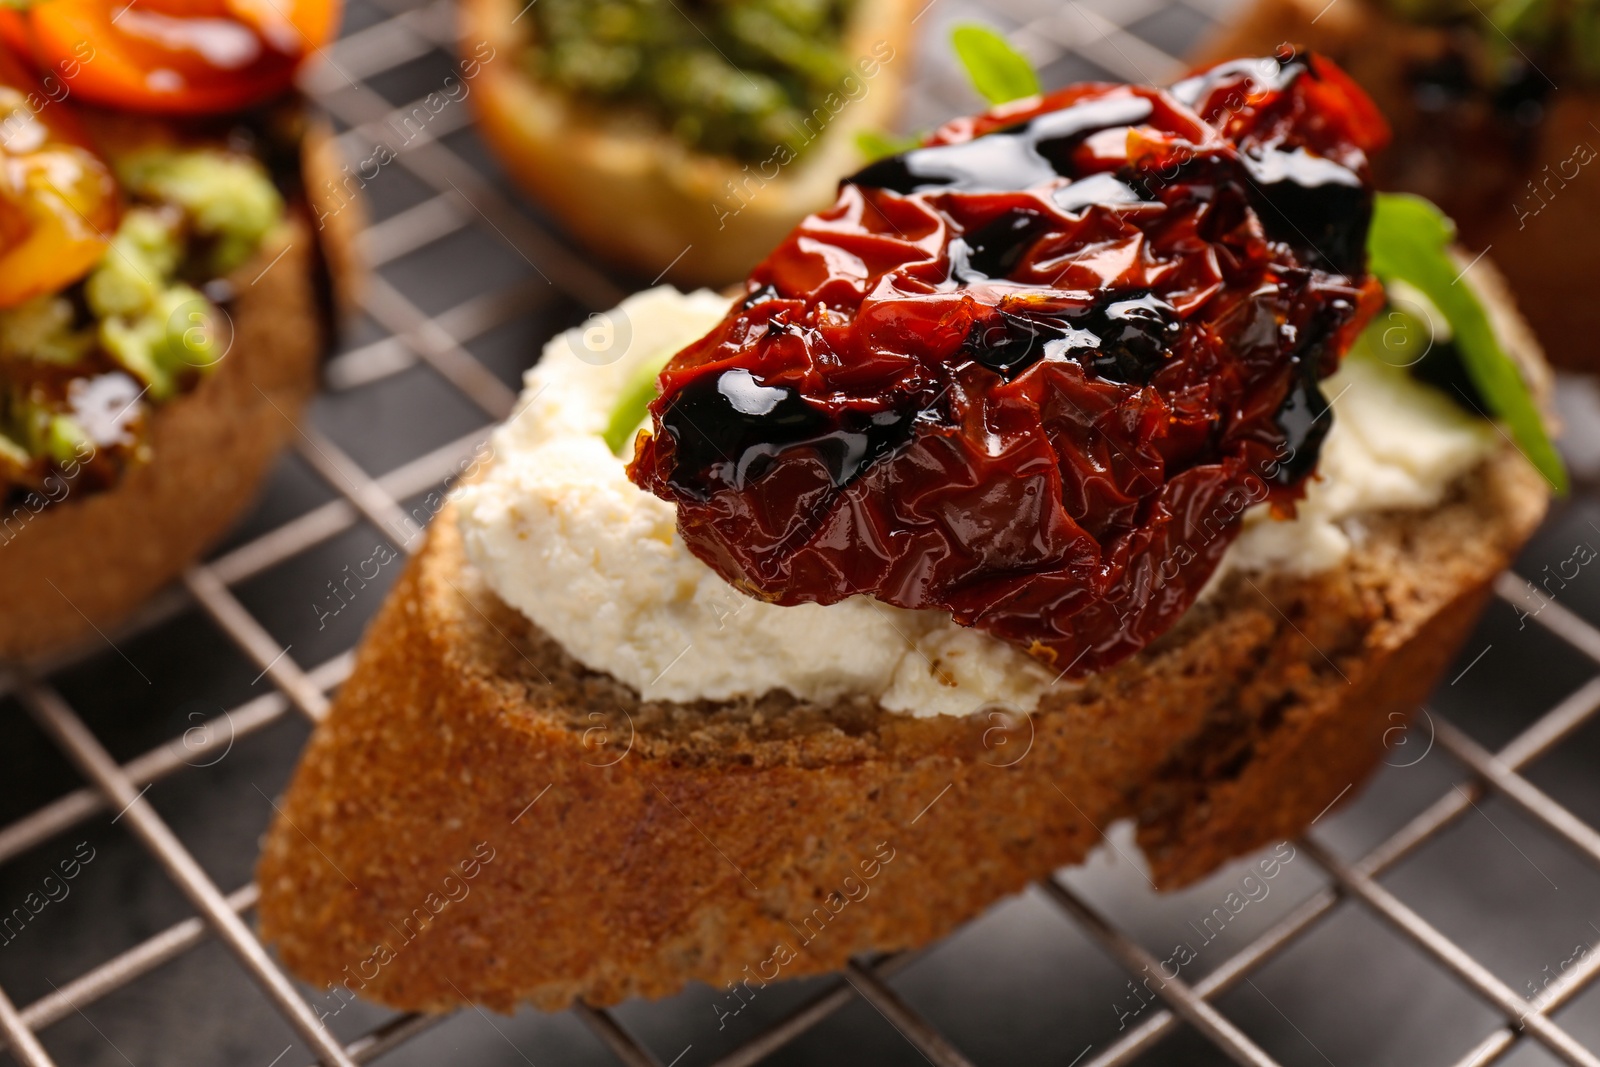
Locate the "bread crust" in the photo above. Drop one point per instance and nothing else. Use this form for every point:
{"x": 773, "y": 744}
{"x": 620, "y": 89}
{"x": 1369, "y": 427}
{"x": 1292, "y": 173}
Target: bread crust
{"x": 86, "y": 561}
{"x": 636, "y": 846}
{"x": 1546, "y": 242}
{"x": 339, "y": 219}
{"x": 638, "y": 198}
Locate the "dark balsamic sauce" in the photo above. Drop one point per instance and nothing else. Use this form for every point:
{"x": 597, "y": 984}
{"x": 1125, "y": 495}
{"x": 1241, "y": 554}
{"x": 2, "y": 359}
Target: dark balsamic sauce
{"x": 1305, "y": 424}
{"x": 1311, "y": 203}
{"x": 1136, "y": 337}
{"x": 1020, "y": 156}
{"x": 1269, "y": 75}
{"x": 1100, "y": 189}
{"x": 1315, "y": 206}
{"x": 994, "y": 250}
{"x": 1122, "y": 337}
{"x": 1305, "y": 416}
{"x": 1014, "y": 343}
{"x": 763, "y": 295}
{"x": 729, "y": 429}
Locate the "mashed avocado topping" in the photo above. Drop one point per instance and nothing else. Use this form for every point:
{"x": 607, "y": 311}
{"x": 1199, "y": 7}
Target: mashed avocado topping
{"x": 732, "y": 78}
{"x": 79, "y": 369}
{"x": 229, "y": 200}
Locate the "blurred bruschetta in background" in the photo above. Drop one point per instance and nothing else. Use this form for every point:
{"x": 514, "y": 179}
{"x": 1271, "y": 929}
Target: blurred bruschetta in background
{"x": 167, "y": 287}
{"x": 1495, "y": 108}
{"x": 684, "y": 138}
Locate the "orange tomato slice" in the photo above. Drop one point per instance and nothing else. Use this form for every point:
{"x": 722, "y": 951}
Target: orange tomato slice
{"x": 172, "y": 56}
{"x": 58, "y": 199}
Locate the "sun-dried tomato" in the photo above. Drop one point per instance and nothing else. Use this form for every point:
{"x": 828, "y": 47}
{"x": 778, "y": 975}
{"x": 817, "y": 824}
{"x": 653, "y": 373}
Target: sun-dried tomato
{"x": 1033, "y": 372}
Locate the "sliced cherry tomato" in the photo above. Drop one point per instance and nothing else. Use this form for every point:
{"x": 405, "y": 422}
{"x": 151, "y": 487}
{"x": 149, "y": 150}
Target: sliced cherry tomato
{"x": 172, "y": 56}
{"x": 58, "y": 200}
{"x": 14, "y": 32}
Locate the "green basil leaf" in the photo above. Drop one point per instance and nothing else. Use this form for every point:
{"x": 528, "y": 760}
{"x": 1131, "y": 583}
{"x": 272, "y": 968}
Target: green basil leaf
{"x": 999, "y": 72}
{"x": 1410, "y": 240}
{"x": 633, "y": 403}
{"x": 875, "y": 144}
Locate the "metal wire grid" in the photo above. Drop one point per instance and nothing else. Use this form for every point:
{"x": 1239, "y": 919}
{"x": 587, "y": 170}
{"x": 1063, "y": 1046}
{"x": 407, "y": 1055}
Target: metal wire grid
{"x": 461, "y": 198}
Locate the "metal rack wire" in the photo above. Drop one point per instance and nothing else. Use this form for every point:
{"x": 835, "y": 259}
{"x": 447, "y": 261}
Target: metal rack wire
{"x": 459, "y": 199}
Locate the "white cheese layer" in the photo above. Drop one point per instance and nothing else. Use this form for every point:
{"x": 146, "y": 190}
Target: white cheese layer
{"x": 563, "y": 536}
{"x": 1396, "y": 444}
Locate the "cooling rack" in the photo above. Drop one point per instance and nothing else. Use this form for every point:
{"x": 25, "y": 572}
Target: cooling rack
{"x": 1446, "y": 915}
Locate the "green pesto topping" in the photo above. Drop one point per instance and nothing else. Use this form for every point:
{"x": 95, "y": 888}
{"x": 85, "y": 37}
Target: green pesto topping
{"x": 732, "y": 78}
{"x": 196, "y": 214}
{"x": 42, "y": 330}
{"x": 147, "y": 318}
{"x": 65, "y": 439}
{"x": 32, "y": 437}
{"x": 157, "y": 344}
{"x": 228, "y": 199}
{"x": 142, "y": 258}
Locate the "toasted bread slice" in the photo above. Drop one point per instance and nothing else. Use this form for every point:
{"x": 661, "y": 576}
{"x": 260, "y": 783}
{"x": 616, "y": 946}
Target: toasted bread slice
{"x": 481, "y": 818}
{"x": 1524, "y": 194}
{"x": 633, "y": 193}
{"x": 86, "y": 561}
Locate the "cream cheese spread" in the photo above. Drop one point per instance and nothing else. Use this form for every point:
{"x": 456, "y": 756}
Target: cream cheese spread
{"x": 1395, "y": 444}
{"x": 562, "y": 535}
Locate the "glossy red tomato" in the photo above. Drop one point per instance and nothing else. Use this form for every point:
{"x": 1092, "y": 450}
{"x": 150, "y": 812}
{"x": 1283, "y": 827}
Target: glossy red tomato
{"x": 172, "y": 56}
{"x": 1034, "y": 372}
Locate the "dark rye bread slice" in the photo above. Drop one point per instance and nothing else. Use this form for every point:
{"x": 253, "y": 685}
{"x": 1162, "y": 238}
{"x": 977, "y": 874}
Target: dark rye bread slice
{"x": 86, "y": 561}
{"x": 482, "y": 818}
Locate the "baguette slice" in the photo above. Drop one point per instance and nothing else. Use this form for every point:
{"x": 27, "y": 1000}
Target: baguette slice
{"x": 85, "y": 562}
{"x": 633, "y": 193}
{"x": 1533, "y": 202}
{"x": 482, "y": 819}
